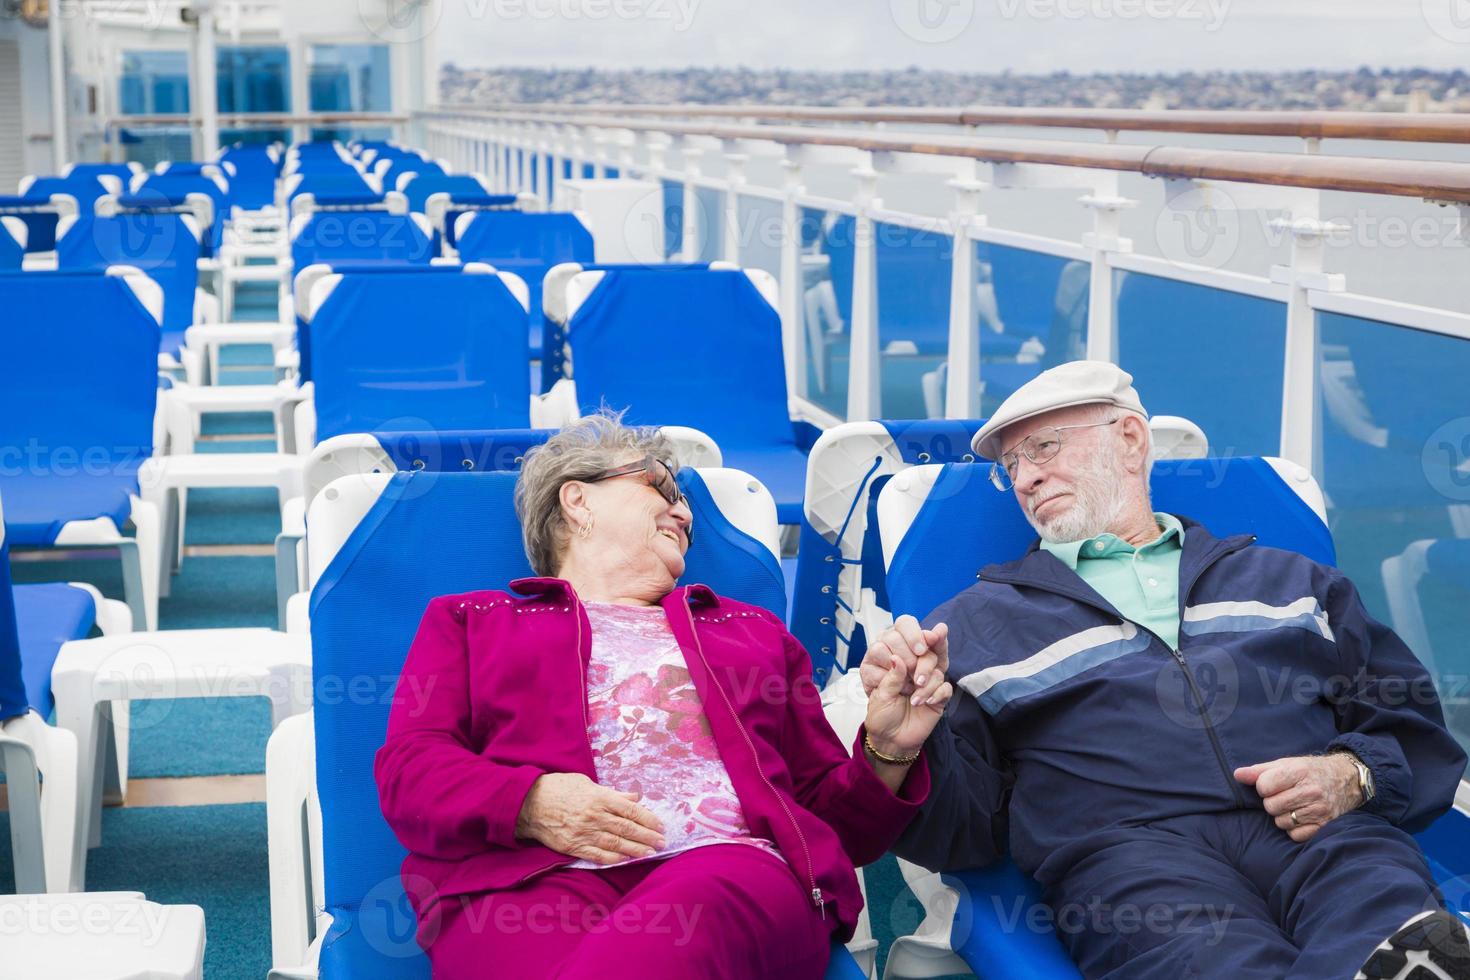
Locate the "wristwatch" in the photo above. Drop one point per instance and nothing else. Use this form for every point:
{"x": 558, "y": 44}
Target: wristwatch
{"x": 1365, "y": 776}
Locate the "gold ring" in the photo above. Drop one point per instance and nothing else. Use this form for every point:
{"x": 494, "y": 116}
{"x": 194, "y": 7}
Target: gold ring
{"x": 1294, "y": 821}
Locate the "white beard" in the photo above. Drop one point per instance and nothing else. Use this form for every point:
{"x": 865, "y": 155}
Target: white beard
{"x": 1097, "y": 500}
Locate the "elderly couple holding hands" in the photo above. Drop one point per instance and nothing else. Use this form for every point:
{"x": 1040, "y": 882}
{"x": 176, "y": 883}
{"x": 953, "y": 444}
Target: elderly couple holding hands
{"x": 604, "y": 785}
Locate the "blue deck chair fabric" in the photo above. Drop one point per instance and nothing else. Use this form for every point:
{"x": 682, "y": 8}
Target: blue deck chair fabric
{"x": 303, "y": 327}
{"x": 460, "y": 450}
{"x": 122, "y": 171}
{"x": 701, "y": 349}
{"x": 406, "y": 166}
{"x": 360, "y": 236}
{"x": 158, "y": 243}
{"x": 254, "y": 184}
{"x": 965, "y": 524}
{"x": 478, "y": 201}
{"x": 414, "y": 351}
{"x": 13, "y": 700}
{"x": 172, "y": 189}
{"x": 84, "y": 189}
{"x": 426, "y": 183}
{"x": 364, "y": 612}
{"x": 553, "y": 334}
{"x": 528, "y": 244}
{"x": 81, "y": 412}
{"x": 344, "y": 182}
{"x": 12, "y": 252}
{"x": 47, "y": 616}
{"x": 819, "y": 561}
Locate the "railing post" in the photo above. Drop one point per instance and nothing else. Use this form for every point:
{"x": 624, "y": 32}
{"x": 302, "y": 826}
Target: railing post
{"x": 692, "y": 156}
{"x": 543, "y": 162}
{"x": 1300, "y": 401}
{"x": 864, "y": 391}
{"x": 792, "y": 284}
{"x": 599, "y": 156}
{"x": 1104, "y": 240}
{"x": 734, "y": 180}
{"x": 963, "y": 385}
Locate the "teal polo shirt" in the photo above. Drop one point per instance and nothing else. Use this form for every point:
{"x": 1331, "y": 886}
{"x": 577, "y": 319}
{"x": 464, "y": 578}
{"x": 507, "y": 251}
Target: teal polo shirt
{"x": 1141, "y": 583}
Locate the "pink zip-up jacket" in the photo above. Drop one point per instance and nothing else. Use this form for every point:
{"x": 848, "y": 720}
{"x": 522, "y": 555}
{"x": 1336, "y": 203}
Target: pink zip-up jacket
{"x": 506, "y": 702}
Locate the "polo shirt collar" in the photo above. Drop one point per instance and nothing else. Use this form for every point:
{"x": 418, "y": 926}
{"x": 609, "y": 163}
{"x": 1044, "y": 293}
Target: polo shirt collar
{"x": 1071, "y": 552}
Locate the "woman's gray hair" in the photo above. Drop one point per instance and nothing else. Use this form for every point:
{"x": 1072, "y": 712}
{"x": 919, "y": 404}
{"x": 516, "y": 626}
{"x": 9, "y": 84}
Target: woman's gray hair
{"x": 580, "y": 451}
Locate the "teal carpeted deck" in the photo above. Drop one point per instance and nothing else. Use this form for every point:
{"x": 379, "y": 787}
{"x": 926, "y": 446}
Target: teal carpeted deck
{"x": 215, "y": 856}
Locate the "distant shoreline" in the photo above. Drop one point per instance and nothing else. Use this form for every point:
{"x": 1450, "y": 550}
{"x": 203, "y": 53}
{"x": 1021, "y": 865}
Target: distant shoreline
{"x": 1366, "y": 89}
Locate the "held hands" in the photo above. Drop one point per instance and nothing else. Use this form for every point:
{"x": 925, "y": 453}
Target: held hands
{"x": 1317, "y": 788}
{"x": 903, "y": 676}
{"x": 572, "y": 815}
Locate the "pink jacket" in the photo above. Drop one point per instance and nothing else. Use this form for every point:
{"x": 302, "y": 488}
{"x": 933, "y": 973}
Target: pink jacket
{"x": 505, "y": 700}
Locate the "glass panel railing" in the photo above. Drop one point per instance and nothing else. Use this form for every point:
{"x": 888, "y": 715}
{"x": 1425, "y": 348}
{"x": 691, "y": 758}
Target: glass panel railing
{"x": 914, "y": 269}
{"x": 348, "y": 78}
{"x": 1395, "y": 466}
{"x": 673, "y": 212}
{"x": 1031, "y": 312}
{"x": 1213, "y": 356}
{"x": 154, "y": 83}
{"x": 254, "y": 79}
{"x": 760, "y": 234}
{"x": 711, "y": 204}
{"x": 826, "y": 305}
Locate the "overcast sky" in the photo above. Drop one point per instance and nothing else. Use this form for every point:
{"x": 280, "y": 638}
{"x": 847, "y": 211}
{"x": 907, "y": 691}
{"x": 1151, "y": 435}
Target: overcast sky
{"x": 966, "y": 35}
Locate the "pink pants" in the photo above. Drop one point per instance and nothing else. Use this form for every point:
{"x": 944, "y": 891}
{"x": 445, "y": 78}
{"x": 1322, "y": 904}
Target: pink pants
{"x": 724, "y": 910}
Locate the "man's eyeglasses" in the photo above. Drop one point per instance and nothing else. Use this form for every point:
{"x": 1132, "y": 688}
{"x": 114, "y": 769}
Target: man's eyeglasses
{"x": 1040, "y": 447}
{"x": 659, "y": 476}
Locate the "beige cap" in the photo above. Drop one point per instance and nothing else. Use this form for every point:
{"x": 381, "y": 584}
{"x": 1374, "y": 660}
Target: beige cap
{"x": 1073, "y": 383}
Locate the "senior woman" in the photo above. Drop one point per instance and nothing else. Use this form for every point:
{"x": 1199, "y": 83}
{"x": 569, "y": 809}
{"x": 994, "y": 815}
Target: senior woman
{"x": 613, "y": 775}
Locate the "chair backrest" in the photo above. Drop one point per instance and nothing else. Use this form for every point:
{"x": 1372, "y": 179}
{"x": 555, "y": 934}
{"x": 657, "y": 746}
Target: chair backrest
{"x": 309, "y": 276}
{"x": 839, "y": 570}
{"x": 427, "y": 182}
{"x": 13, "y": 700}
{"x": 463, "y": 534}
{"x": 942, "y": 524}
{"x": 84, "y": 189}
{"x": 13, "y": 236}
{"x": 164, "y": 245}
{"x": 445, "y": 214}
{"x": 360, "y": 236}
{"x": 83, "y": 354}
{"x": 394, "y": 178}
{"x": 698, "y": 348}
{"x": 332, "y": 182}
{"x": 162, "y": 190}
{"x": 415, "y": 351}
{"x": 547, "y": 237}
{"x": 254, "y": 183}
{"x": 122, "y": 171}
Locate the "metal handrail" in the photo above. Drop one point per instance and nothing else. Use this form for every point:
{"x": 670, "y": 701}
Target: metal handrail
{"x": 1428, "y": 179}
{"x": 239, "y": 120}
{"x": 1418, "y": 127}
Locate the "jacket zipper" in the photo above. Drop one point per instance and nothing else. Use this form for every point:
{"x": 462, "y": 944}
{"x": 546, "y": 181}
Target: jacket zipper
{"x": 1199, "y": 699}
{"x": 818, "y": 901}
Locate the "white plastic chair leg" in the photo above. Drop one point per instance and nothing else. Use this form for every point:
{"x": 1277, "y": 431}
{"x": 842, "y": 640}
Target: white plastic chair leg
{"x": 40, "y": 766}
{"x": 290, "y": 777}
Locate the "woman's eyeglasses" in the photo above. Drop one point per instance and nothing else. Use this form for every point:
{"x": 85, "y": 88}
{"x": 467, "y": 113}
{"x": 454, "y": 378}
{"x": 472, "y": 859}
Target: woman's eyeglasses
{"x": 659, "y": 476}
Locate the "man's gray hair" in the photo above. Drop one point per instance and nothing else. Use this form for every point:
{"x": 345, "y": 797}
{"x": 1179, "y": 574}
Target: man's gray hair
{"x": 580, "y": 451}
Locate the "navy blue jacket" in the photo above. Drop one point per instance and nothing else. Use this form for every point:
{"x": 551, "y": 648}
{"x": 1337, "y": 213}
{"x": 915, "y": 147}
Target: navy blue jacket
{"x": 1071, "y": 725}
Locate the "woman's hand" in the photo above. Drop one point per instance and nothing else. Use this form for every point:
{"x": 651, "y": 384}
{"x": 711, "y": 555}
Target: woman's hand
{"x": 902, "y": 714}
{"x": 575, "y": 816}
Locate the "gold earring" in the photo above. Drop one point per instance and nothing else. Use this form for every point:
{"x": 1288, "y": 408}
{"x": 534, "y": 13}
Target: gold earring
{"x": 585, "y": 531}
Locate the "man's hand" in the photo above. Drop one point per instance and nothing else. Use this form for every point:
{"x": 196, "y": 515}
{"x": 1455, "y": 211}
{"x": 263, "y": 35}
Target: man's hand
{"x": 1317, "y": 788}
{"x": 572, "y": 815}
{"x": 898, "y": 723}
{"x": 925, "y": 655}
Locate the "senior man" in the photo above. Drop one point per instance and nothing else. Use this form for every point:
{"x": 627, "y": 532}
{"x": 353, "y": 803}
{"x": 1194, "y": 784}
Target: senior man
{"x": 1206, "y": 751}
